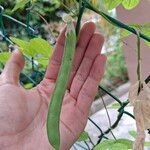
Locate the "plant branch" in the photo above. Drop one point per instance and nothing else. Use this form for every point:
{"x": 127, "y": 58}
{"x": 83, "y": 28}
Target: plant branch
{"x": 115, "y": 21}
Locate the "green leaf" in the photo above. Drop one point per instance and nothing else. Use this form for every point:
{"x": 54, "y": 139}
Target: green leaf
{"x": 120, "y": 144}
{"x": 144, "y": 29}
{"x": 115, "y": 106}
{"x": 126, "y": 142}
{"x": 111, "y": 4}
{"x": 28, "y": 86}
{"x": 147, "y": 144}
{"x": 40, "y": 46}
{"x": 20, "y": 4}
{"x": 34, "y": 47}
{"x": 105, "y": 145}
{"x": 148, "y": 43}
{"x": 4, "y": 56}
{"x": 133, "y": 133}
{"x": 43, "y": 61}
{"x": 130, "y": 4}
{"x": 84, "y": 136}
{"x": 125, "y": 33}
{"x": 24, "y": 45}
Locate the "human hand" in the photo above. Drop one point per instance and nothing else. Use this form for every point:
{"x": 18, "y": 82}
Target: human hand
{"x": 23, "y": 113}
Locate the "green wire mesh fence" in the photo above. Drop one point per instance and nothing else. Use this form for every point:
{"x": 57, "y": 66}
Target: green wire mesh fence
{"x": 88, "y": 144}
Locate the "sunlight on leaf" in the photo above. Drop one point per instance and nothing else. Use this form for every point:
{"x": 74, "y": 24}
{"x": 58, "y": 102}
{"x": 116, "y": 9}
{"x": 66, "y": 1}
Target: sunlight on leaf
{"x": 84, "y": 136}
{"x": 34, "y": 47}
{"x": 43, "y": 61}
{"x": 28, "y": 86}
{"x": 130, "y": 4}
{"x": 144, "y": 29}
{"x": 40, "y": 46}
{"x": 115, "y": 106}
{"x": 126, "y": 142}
{"x": 24, "y": 45}
{"x": 120, "y": 144}
{"x": 94, "y": 2}
{"x": 20, "y": 4}
{"x": 4, "y": 56}
{"x": 133, "y": 133}
{"x": 112, "y": 3}
{"x": 104, "y": 145}
{"x": 147, "y": 144}
{"x": 125, "y": 33}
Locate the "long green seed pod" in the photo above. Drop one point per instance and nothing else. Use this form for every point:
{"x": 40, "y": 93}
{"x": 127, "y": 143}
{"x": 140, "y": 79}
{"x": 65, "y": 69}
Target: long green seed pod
{"x": 53, "y": 118}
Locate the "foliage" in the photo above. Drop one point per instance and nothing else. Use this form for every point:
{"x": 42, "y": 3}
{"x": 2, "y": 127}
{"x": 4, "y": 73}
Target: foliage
{"x": 38, "y": 48}
{"x": 20, "y": 4}
{"x": 4, "y": 57}
{"x": 127, "y": 4}
{"x": 143, "y": 28}
{"x": 134, "y": 134}
{"x": 83, "y": 137}
{"x": 120, "y": 144}
{"x": 116, "y": 65}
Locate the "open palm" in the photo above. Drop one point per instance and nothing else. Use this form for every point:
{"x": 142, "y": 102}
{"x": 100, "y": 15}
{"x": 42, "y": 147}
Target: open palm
{"x": 23, "y": 113}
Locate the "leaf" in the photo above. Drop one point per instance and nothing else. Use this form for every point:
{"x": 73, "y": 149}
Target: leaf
{"x": 133, "y": 133}
{"x": 20, "y": 4}
{"x": 4, "y": 56}
{"x": 43, "y": 61}
{"x": 126, "y": 142}
{"x": 125, "y": 33}
{"x": 94, "y": 2}
{"x": 84, "y": 136}
{"x": 144, "y": 29}
{"x": 118, "y": 146}
{"x": 111, "y": 4}
{"x": 28, "y": 86}
{"x": 105, "y": 145}
{"x": 130, "y": 4}
{"x": 24, "y": 45}
{"x": 40, "y": 46}
{"x": 141, "y": 105}
{"x": 115, "y": 106}
{"x": 147, "y": 144}
{"x": 34, "y": 46}
{"x": 148, "y": 43}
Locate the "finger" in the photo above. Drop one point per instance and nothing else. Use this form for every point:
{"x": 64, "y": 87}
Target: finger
{"x": 55, "y": 62}
{"x": 91, "y": 53}
{"x": 89, "y": 89}
{"x": 13, "y": 68}
{"x": 83, "y": 41}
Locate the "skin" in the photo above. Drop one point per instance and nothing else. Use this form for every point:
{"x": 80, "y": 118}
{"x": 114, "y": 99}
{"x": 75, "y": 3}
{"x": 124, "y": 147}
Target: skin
{"x": 23, "y": 113}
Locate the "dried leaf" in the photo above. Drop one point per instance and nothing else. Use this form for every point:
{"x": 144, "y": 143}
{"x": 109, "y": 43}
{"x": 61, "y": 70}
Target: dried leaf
{"x": 141, "y": 104}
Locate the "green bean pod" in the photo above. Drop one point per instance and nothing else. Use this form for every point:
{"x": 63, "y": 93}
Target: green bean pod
{"x": 53, "y": 118}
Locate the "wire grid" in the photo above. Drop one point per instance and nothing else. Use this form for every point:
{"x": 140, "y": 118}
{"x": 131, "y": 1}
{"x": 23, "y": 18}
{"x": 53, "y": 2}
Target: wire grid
{"x": 88, "y": 144}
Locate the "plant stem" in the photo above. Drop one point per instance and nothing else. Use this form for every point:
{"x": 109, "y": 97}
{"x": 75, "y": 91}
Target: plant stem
{"x": 81, "y": 11}
{"x": 114, "y": 21}
{"x": 109, "y": 120}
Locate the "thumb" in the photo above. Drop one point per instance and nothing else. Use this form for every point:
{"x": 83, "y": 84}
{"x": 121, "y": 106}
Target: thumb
{"x": 13, "y": 68}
